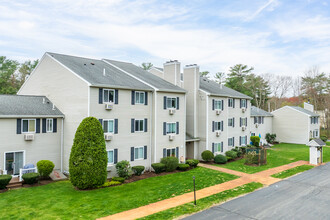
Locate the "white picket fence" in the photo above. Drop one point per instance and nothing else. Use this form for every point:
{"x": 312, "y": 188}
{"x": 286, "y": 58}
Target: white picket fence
{"x": 29, "y": 170}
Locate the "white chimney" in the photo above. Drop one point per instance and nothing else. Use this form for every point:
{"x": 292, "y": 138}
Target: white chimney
{"x": 308, "y": 107}
{"x": 172, "y": 72}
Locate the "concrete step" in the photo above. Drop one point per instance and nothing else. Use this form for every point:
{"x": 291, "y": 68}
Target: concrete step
{"x": 15, "y": 185}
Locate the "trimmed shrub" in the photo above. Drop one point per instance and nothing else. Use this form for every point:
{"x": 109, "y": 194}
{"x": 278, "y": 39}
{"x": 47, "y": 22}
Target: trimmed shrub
{"x": 207, "y": 155}
{"x": 192, "y": 162}
{"x": 196, "y": 162}
{"x": 270, "y": 138}
{"x": 238, "y": 150}
{"x": 324, "y": 138}
{"x": 243, "y": 150}
{"x": 111, "y": 183}
{"x": 138, "y": 170}
{"x": 118, "y": 179}
{"x": 231, "y": 154}
{"x": 88, "y": 158}
{"x": 158, "y": 167}
{"x": 124, "y": 169}
{"x": 255, "y": 140}
{"x": 183, "y": 166}
{"x": 4, "y": 180}
{"x": 30, "y": 178}
{"x": 251, "y": 158}
{"x": 45, "y": 167}
{"x": 220, "y": 159}
{"x": 171, "y": 163}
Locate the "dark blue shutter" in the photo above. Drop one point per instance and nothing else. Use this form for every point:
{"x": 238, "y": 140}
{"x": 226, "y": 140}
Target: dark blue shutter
{"x": 164, "y": 152}
{"x": 132, "y": 153}
{"x": 115, "y": 156}
{"x": 212, "y": 147}
{"x": 221, "y": 125}
{"x": 177, "y": 102}
{"x": 133, "y": 97}
{"x": 19, "y": 126}
{"x": 43, "y": 125}
{"x": 246, "y": 119}
{"x": 233, "y": 103}
{"x": 233, "y": 141}
{"x": 116, "y": 96}
{"x": 221, "y": 146}
{"x": 164, "y": 102}
{"x": 145, "y": 125}
{"x": 262, "y": 119}
{"x": 228, "y": 102}
{"x": 101, "y": 121}
{"x": 177, "y": 152}
{"x": 164, "y": 128}
{"x": 222, "y": 105}
{"x": 145, "y": 152}
{"x": 311, "y": 120}
{"x": 240, "y": 122}
{"x": 55, "y": 125}
{"x": 233, "y": 122}
{"x": 116, "y": 126}
{"x": 100, "y": 96}
{"x": 38, "y": 125}
{"x": 177, "y": 127}
{"x": 240, "y": 140}
{"x": 145, "y": 98}
{"x": 245, "y": 139}
{"x": 240, "y": 103}
{"x": 212, "y": 126}
{"x": 132, "y": 125}
{"x": 212, "y": 104}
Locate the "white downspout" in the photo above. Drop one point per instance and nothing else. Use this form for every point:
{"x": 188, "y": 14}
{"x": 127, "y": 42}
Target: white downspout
{"x": 62, "y": 146}
{"x": 207, "y": 121}
{"x": 155, "y": 128}
{"x": 151, "y": 129}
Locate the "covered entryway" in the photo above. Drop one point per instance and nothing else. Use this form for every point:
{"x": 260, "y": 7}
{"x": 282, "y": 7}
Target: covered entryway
{"x": 14, "y": 161}
{"x": 191, "y": 147}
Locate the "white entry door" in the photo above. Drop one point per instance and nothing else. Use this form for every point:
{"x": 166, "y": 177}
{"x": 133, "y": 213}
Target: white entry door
{"x": 13, "y": 162}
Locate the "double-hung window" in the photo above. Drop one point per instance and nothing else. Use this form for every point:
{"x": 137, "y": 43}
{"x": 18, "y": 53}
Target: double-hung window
{"x": 230, "y": 142}
{"x": 230, "y": 102}
{"x": 171, "y": 102}
{"x": 108, "y": 125}
{"x": 110, "y": 154}
{"x": 217, "y": 125}
{"x": 29, "y": 125}
{"x": 217, "y": 104}
{"x": 244, "y": 121}
{"x": 316, "y": 133}
{"x": 138, "y": 153}
{"x": 243, "y": 103}
{"x": 49, "y": 125}
{"x": 139, "y": 125}
{"x": 218, "y": 148}
{"x": 243, "y": 140}
{"x": 108, "y": 95}
{"x": 230, "y": 122}
{"x": 139, "y": 97}
{"x": 171, "y": 152}
{"x": 171, "y": 128}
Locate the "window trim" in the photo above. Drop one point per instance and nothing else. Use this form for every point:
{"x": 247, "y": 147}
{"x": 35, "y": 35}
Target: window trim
{"x": 113, "y": 157}
{"x": 216, "y": 127}
{"x": 142, "y": 125}
{"x": 215, "y": 106}
{"x": 245, "y": 103}
{"x": 173, "y": 148}
{"x": 232, "y": 122}
{"x": 176, "y": 102}
{"x": 138, "y": 147}
{"x": 35, "y": 126}
{"x": 219, "y": 143}
{"x": 144, "y": 97}
{"x": 232, "y": 102}
{"x": 245, "y": 138}
{"x": 52, "y": 127}
{"x": 174, "y": 127}
{"x": 113, "y": 130}
{"x": 232, "y": 142}
{"x": 109, "y": 96}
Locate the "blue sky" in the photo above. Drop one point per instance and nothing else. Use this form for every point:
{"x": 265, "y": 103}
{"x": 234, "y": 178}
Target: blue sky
{"x": 273, "y": 36}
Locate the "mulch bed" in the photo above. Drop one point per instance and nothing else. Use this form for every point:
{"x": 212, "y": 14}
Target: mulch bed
{"x": 39, "y": 183}
{"x": 212, "y": 162}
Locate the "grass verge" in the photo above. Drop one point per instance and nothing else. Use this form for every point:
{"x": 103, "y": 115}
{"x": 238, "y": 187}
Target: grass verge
{"x": 328, "y": 143}
{"x": 291, "y": 172}
{"x": 204, "y": 203}
{"x": 60, "y": 200}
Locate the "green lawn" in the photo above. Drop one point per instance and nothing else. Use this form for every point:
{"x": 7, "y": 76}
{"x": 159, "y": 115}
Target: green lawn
{"x": 278, "y": 155}
{"x": 328, "y": 143}
{"x": 61, "y": 201}
{"x": 204, "y": 203}
{"x": 293, "y": 171}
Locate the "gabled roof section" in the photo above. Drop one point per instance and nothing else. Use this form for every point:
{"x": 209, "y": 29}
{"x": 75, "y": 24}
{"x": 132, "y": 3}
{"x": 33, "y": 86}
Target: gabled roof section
{"x": 219, "y": 90}
{"x": 155, "y": 81}
{"x": 23, "y": 105}
{"x": 304, "y": 111}
{"x": 98, "y": 73}
{"x": 255, "y": 111}
{"x": 317, "y": 142}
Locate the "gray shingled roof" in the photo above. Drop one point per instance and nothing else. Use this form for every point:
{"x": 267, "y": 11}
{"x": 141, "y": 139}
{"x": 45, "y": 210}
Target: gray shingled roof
{"x": 259, "y": 112}
{"x": 22, "y": 105}
{"x": 304, "y": 111}
{"x": 215, "y": 89}
{"x": 155, "y": 81}
{"x": 92, "y": 71}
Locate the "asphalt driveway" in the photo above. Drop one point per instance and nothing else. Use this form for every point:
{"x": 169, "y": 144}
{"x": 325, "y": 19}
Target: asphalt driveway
{"x": 304, "y": 196}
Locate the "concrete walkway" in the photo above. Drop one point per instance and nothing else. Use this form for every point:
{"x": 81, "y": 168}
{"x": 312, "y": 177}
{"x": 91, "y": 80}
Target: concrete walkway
{"x": 263, "y": 177}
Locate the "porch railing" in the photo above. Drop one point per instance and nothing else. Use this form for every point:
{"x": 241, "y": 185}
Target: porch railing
{"x": 29, "y": 170}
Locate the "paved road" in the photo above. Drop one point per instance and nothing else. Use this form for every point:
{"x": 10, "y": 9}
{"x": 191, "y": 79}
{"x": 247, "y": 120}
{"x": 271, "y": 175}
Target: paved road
{"x": 305, "y": 196}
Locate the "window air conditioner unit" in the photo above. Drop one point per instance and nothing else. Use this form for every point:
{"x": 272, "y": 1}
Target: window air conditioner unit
{"x": 218, "y": 112}
{"x": 217, "y": 133}
{"x": 109, "y": 106}
{"x": 29, "y": 137}
{"x": 257, "y": 125}
{"x": 108, "y": 137}
{"x": 172, "y": 111}
{"x": 171, "y": 137}
{"x": 243, "y": 110}
{"x": 243, "y": 128}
